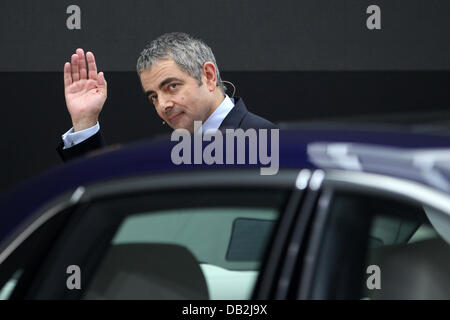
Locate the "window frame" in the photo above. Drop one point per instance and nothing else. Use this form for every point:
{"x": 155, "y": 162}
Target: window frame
{"x": 409, "y": 192}
{"x": 44, "y": 286}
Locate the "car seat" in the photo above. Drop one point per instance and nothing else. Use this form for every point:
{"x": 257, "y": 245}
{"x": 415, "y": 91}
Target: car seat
{"x": 148, "y": 271}
{"x": 418, "y": 270}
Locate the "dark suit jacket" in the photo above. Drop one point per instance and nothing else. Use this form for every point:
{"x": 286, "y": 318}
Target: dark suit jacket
{"x": 239, "y": 117}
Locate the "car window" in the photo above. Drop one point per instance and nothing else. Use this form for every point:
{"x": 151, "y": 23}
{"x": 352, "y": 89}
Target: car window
{"x": 387, "y": 230}
{"x": 202, "y": 244}
{"x": 414, "y": 266}
{"x": 18, "y": 269}
{"x": 10, "y": 285}
{"x": 379, "y": 247}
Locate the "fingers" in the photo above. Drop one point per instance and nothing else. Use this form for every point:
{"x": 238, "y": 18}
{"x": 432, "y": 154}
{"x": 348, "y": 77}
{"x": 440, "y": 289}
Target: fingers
{"x": 67, "y": 75}
{"x": 81, "y": 64}
{"x": 76, "y": 69}
{"x": 101, "y": 79}
{"x": 74, "y": 64}
{"x": 91, "y": 65}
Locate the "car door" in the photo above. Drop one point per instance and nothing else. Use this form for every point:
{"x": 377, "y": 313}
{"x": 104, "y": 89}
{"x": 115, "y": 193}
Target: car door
{"x": 375, "y": 237}
{"x": 198, "y": 235}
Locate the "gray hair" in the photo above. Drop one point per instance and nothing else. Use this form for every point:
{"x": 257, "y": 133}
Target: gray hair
{"x": 189, "y": 54}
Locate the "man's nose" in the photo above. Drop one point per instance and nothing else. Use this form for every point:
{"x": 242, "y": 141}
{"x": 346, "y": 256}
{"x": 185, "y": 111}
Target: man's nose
{"x": 165, "y": 103}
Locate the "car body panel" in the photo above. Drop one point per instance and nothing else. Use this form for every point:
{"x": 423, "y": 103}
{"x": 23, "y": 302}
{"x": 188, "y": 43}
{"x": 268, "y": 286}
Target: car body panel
{"x": 153, "y": 157}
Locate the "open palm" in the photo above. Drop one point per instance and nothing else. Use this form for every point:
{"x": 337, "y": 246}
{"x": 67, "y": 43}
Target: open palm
{"x": 85, "y": 91}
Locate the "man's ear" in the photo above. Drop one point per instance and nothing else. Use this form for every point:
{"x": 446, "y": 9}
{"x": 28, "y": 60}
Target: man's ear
{"x": 209, "y": 75}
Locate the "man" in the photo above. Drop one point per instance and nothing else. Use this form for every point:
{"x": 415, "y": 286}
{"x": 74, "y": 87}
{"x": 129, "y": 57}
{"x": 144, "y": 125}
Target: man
{"x": 179, "y": 75}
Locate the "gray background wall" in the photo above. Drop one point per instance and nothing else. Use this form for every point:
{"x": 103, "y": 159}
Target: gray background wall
{"x": 290, "y": 60}
{"x": 258, "y": 35}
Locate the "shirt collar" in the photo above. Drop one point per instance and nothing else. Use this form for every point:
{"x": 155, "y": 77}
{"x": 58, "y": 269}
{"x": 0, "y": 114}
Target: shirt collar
{"x": 216, "y": 118}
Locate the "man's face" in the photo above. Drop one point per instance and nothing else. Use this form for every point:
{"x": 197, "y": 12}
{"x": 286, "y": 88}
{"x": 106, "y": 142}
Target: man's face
{"x": 177, "y": 97}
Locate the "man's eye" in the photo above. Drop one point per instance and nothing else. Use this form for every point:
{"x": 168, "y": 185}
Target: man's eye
{"x": 173, "y": 85}
{"x": 152, "y": 99}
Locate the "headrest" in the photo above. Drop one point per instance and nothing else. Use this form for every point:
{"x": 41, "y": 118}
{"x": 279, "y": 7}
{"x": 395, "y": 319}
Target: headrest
{"x": 419, "y": 270}
{"x": 148, "y": 271}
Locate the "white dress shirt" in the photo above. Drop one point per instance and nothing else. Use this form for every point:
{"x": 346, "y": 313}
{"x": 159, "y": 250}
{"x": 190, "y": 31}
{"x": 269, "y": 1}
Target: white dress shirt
{"x": 216, "y": 118}
{"x": 214, "y": 121}
{"x": 71, "y": 138}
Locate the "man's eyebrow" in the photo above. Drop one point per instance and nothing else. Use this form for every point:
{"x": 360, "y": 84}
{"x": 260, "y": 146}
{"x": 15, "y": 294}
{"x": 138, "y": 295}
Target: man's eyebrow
{"x": 162, "y": 84}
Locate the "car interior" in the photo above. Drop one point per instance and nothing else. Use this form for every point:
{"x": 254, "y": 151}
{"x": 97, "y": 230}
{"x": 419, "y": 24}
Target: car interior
{"x": 415, "y": 269}
{"x": 130, "y": 271}
{"x": 204, "y": 253}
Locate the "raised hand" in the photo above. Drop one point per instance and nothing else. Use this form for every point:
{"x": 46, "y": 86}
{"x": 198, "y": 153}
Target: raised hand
{"x": 85, "y": 91}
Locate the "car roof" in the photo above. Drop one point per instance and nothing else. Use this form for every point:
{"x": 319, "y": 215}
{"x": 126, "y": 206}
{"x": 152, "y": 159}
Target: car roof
{"x": 323, "y": 147}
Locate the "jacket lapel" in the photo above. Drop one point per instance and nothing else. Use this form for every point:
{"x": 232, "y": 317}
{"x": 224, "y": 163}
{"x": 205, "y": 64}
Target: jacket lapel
{"x": 234, "y": 118}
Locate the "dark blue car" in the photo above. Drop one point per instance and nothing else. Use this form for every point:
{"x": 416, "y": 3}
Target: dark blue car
{"x": 350, "y": 214}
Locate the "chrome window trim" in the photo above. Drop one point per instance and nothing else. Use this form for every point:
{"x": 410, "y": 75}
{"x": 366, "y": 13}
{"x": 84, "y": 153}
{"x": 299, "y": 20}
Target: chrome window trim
{"x": 313, "y": 249}
{"x": 409, "y": 190}
{"x": 200, "y": 178}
